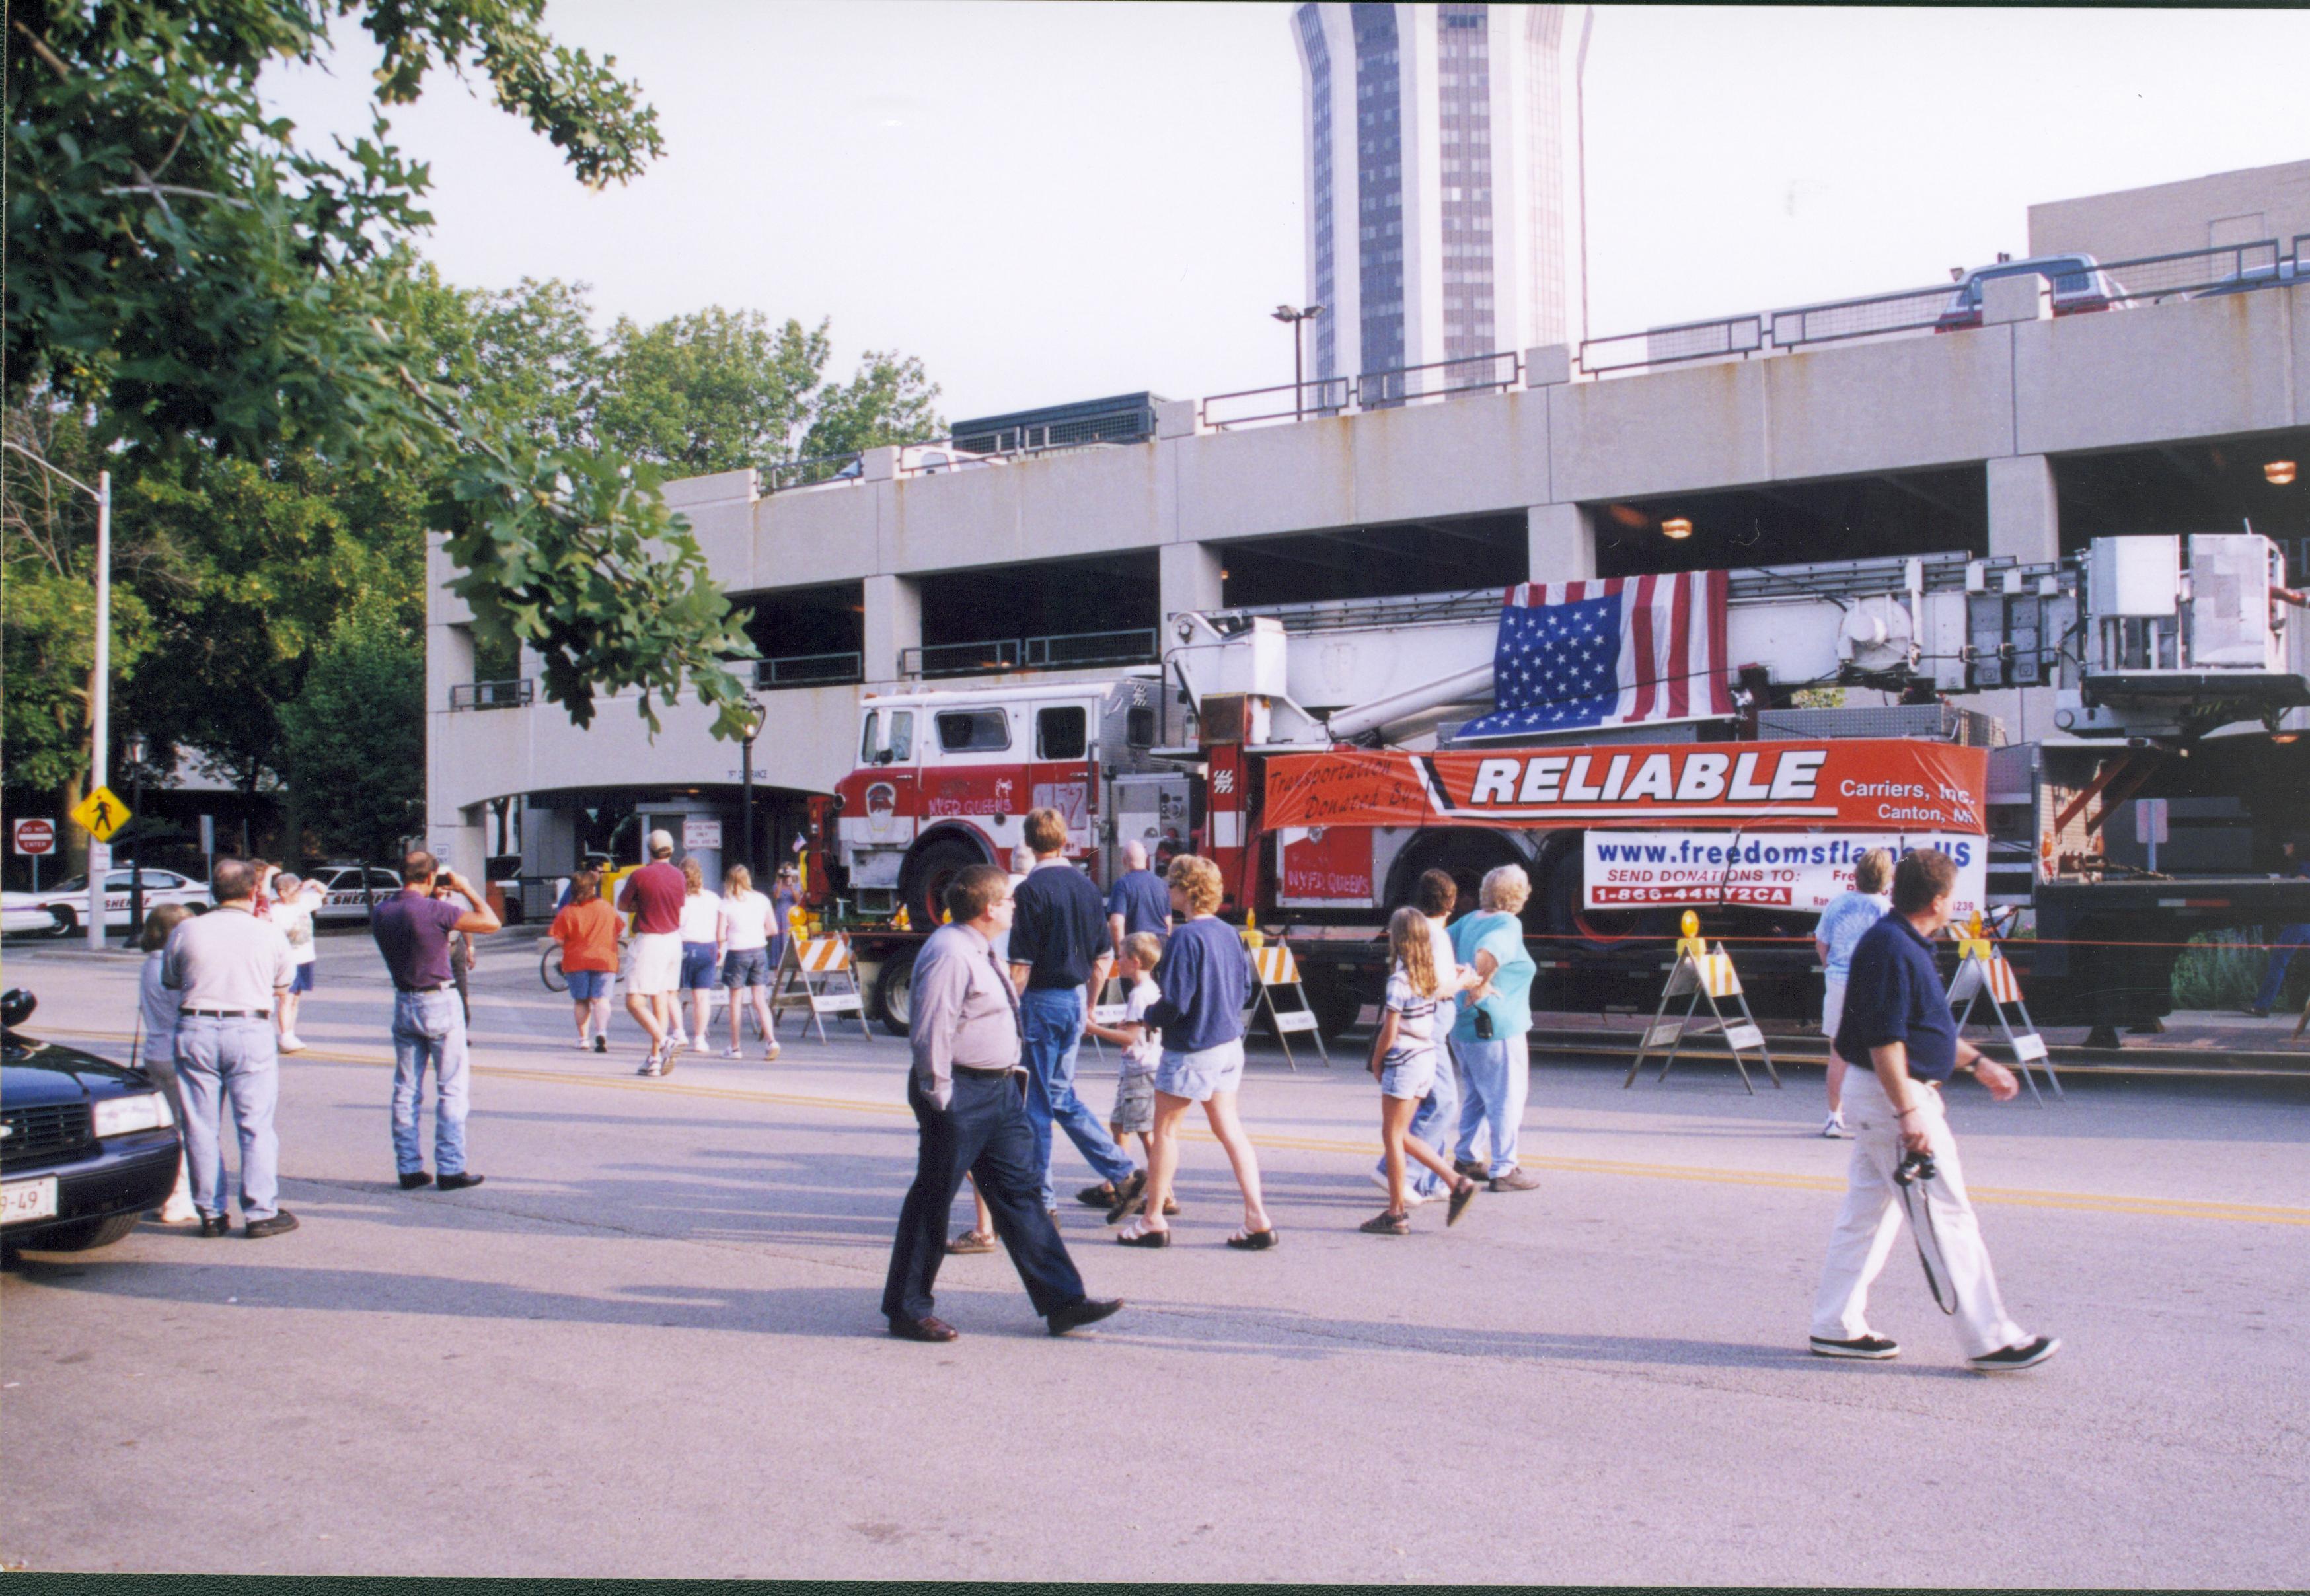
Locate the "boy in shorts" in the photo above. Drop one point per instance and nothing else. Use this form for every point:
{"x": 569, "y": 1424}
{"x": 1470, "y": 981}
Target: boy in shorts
{"x": 1142, "y": 1044}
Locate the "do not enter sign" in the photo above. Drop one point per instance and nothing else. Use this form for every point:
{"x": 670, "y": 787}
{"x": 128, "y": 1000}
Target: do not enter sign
{"x": 36, "y": 836}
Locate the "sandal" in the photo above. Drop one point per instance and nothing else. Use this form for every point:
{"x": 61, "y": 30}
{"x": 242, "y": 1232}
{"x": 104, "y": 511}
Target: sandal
{"x": 1137, "y": 1235}
{"x": 1462, "y": 1195}
{"x": 971, "y": 1241}
{"x": 1252, "y": 1241}
{"x": 1386, "y": 1224}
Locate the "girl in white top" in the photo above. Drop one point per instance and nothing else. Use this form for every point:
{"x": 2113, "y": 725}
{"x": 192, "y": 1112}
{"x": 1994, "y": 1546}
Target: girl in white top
{"x": 156, "y": 1045}
{"x": 701, "y": 929}
{"x": 295, "y": 903}
{"x": 745, "y": 956}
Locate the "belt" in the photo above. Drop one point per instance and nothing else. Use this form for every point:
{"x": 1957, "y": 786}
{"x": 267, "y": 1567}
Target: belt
{"x": 987, "y": 1074}
{"x": 228, "y": 1013}
{"x": 436, "y": 986}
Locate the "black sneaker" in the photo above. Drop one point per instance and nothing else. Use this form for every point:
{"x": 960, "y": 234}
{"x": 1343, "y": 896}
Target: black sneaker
{"x": 411, "y": 1179}
{"x": 600, "y": 1043}
{"x": 2021, "y": 1354}
{"x": 460, "y": 1180}
{"x": 282, "y": 1222}
{"x": 1870, "y": 1346}
{"x": 216, "y": 1223}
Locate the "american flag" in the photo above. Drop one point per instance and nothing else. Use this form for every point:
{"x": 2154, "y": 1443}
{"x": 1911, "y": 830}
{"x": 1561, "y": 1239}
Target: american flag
{"x": 1618, "y": 652}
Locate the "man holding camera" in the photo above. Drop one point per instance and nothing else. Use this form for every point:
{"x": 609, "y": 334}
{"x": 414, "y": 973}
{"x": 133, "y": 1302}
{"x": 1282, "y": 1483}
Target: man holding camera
{"x": 1897, "y": 1028}
{"x": 412, "y": 930}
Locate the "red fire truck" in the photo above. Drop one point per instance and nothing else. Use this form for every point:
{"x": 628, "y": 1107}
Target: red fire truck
{"x": 1745, "y": 806}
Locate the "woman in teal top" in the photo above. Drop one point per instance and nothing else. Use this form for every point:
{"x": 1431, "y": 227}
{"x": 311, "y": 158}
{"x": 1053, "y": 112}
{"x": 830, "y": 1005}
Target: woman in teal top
{"x": 1488, "y": 1039}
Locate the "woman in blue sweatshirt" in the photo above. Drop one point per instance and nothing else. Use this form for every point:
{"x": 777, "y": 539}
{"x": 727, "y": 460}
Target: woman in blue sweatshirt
{"x": 1206, "y": 981}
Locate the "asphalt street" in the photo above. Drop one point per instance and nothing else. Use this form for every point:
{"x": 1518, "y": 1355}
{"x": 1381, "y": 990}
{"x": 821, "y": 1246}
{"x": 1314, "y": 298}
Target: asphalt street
{"x": 650, "y": 1344}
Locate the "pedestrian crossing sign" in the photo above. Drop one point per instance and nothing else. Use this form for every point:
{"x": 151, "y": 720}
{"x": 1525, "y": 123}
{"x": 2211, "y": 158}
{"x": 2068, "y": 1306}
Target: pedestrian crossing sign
{"x": 100, "y": 814}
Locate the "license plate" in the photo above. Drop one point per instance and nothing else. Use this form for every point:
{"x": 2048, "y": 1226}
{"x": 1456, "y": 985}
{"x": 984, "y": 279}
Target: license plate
{"x": 23, "y": 1200}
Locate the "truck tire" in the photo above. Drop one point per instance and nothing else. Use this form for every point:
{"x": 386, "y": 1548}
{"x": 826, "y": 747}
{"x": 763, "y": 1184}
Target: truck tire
{"x": 1463, "y": 855}
{"x": 1571, "y": 926}
{"x": 86, "y": 1234}
{"x": 1337, "y": 995}
{"x": 894, "y": 988}
{"x": 923, "y": 883}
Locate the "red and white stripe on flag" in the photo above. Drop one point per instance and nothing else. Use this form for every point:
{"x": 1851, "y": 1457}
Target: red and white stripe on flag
{"x": 1672, "y": 663}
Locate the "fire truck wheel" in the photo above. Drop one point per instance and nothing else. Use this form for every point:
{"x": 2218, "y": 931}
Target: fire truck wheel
{"x": 1572, "y": 925}
{"x": 922, "y": 887}
{"x": 1337, "y": 994}
{"x": 894, "y": 991}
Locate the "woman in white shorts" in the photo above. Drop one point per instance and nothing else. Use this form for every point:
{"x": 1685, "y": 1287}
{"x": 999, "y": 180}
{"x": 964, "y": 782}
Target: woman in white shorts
{"x": 1206, "y": 981}
{"x": 746, "y": 955}
{"x": 1404, "y": 1061}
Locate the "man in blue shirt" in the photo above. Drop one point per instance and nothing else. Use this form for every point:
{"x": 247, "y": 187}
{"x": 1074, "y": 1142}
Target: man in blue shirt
{"x": 1898, "y": 1030}
{"x": 2290, "y": 937}
{"x": 1138, "y": 901}
{"x": 1058, "y": 948}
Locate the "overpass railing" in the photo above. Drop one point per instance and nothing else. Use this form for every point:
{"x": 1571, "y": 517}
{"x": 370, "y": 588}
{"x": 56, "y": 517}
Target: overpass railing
{"x": 1064, "y": 651}
{"x": 492, "y": 695}
{"x": 810, "y": 670}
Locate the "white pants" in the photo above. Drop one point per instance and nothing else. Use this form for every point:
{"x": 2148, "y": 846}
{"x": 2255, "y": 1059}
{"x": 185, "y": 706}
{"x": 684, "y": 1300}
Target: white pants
{"x": 1832, "y": 1004}
{"x": 1870, "y": 1223}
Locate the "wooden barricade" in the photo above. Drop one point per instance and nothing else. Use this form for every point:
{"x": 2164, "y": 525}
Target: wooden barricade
{"x": 1274, "y": 970}
{"x": 1699, "y": 974}
{"x": 817, "y": 976}
{"x": 1982, "y": 972}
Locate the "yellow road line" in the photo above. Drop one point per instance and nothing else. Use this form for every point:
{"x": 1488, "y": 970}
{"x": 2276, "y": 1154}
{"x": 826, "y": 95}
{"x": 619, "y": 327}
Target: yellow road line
{"x": 2179, "y": 1208}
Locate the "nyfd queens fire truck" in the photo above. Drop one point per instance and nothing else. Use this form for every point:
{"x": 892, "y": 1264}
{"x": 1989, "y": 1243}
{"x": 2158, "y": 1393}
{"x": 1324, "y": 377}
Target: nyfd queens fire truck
{"x": 1684, "y": 775}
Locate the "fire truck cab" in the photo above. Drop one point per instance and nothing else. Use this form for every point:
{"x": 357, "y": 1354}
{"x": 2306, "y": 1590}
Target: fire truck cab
{"x": 945, "y": 780}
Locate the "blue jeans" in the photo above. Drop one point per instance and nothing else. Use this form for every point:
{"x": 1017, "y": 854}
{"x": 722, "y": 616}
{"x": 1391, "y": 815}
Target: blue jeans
{"x": 1050, "y": 1023}
{"x": 1495, "y": 1075}
{"x": 2289, "y": 938}
{"x": 235, "y": 1061}
{"x": 1432, "y": 1124}
{"x": 430, "y": 1027}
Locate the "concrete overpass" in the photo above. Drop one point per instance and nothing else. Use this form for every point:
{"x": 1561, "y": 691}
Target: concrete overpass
{"x": 2024, "y": 435}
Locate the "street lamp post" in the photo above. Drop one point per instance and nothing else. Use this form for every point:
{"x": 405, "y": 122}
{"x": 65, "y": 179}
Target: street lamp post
{"x": 1291, "y": 317}
{"x": 100, "y": 855}
{"x": 746, "y": 783}
{"x": 135, "y": 751}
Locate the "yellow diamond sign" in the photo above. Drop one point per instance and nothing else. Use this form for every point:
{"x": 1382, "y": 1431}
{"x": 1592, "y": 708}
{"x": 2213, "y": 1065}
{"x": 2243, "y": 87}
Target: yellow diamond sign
{"x": 100, "y": 814}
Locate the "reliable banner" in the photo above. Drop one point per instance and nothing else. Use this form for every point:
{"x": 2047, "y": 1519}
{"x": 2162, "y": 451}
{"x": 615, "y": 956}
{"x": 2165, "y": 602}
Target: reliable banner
{"x": 1626, "y": 869}
{"x": 1877, "y": 785}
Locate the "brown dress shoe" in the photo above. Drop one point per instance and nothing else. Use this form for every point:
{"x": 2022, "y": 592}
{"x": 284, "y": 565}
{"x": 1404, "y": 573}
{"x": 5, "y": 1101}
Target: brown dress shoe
{"x": 925, "y": 1329}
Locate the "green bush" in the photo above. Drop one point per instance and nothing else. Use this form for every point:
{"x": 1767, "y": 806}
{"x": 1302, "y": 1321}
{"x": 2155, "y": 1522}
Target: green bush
{"x": 2213, "y": 972}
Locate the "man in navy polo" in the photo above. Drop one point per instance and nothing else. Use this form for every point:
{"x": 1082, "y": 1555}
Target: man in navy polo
{"x": 1898, "y": 1029}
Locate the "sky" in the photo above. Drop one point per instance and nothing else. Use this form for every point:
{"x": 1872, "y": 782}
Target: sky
{"x": 1058, "y": 200}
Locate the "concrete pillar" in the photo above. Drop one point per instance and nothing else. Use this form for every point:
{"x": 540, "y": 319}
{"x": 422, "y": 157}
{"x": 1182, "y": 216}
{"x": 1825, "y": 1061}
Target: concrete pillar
{"x": 1562, "y": 545}
{"x": 894, "y": 621}
{"x": 2024, "y": 516}
{"x": 1187, "y": 575}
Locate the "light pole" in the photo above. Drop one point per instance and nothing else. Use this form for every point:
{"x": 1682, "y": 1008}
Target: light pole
{"x": 135, "y": 751}
{"x": 100, "y": 856}
{"x": 1291, "y": 318}
{"x": 746, "y": 783}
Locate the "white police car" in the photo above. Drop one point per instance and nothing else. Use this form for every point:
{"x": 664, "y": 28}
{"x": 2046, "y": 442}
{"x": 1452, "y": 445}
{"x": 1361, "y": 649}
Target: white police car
{"x": 59, "y": 910}
{"x": 343, "y": 883}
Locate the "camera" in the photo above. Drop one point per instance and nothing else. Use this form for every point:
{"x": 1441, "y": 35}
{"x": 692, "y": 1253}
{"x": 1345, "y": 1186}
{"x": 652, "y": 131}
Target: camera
{"x": 1915, "y": 1167}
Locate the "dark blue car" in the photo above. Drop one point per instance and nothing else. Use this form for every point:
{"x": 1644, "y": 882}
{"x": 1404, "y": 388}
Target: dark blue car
{"x": 86, "y": 1146}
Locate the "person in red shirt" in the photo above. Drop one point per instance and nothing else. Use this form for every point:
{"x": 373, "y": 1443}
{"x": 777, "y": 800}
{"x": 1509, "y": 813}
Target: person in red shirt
{"x": 653, "y": 895}
{"x": 587, "y": 931}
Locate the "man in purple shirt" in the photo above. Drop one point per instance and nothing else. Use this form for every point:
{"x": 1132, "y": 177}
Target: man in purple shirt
{"x": 413, "y": 928}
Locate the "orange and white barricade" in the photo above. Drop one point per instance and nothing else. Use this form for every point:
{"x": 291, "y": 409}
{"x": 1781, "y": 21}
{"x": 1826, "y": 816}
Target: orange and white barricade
{"x": 1700, "y": 973}
{"x": 817, "y": 976}
{"x": 1274, "y": 970}
{"x": 1981, "y": 971}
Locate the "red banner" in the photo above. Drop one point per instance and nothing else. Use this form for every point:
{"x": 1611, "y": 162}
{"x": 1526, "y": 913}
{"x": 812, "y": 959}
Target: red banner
{"x": 1782, "y": 786}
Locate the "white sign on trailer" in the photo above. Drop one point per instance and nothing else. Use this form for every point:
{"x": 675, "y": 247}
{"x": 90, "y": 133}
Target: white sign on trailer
{"x": 1799, "y": 870}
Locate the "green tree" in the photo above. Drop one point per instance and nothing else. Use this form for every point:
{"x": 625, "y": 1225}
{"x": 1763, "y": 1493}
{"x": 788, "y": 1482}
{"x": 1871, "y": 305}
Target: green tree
{"x": 353, "y": 741}
{"x": 180, "y": 263}
{"x": 891, "y": 400}
{"x": 713, "y": 391}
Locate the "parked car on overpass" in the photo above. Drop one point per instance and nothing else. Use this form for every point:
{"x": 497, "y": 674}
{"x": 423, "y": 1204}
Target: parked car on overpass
{"x": 2079, "y": 284}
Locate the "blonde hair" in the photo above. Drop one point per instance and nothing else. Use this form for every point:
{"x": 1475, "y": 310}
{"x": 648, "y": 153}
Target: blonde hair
{"x": 1198, "y": 878}
{"x": 1409, "y": 945}
{"x": 159, "y": 923}
{"x": 1143, "y": 947}
{"x": 1872, "y": 873}
{"x": 737, "y": 879}
{"x": 694, "y": 874}
{"x": 1506, "y": 888}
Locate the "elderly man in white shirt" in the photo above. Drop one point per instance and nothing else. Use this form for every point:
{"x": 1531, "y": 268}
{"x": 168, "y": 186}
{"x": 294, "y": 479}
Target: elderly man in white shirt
{"x": 230, "y": 971}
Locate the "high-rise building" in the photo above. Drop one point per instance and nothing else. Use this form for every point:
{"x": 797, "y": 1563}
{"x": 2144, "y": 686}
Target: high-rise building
{"x": 1445, "y": 205}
